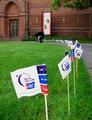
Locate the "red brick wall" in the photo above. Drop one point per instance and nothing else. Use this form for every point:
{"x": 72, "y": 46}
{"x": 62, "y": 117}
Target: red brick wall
{"x": 69, "y": 22}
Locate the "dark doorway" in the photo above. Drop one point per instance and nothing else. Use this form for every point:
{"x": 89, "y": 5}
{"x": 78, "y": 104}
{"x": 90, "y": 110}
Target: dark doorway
{"x": 14, "y": 28}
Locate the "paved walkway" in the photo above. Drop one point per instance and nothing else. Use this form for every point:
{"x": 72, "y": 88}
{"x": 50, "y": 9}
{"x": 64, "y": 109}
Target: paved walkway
{"x": 87, "y": 56}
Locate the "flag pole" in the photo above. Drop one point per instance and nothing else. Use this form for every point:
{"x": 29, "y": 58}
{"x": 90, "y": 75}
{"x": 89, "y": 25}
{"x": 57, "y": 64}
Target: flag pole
{"x": 46, "y": 107}
{"x": 74, "y": 78}
{"x": 68, "y": 95}
{"x": 76, "y": 68}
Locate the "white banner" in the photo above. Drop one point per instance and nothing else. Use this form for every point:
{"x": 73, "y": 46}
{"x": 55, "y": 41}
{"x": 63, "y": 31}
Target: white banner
{"x": 65, "y": 66}
{"x": 47, "y": 23}
{"x": 30, "y": 81}
{"x": 78, "y": 52}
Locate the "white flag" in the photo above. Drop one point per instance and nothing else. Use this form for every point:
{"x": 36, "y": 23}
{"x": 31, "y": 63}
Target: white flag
{"x": 65, "y": 66}
{"x": 27, "y": 81}
{"x": 78, "y": 52}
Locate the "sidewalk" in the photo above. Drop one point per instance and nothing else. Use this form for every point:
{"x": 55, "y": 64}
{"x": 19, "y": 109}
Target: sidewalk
{"x": 87, "y": 57}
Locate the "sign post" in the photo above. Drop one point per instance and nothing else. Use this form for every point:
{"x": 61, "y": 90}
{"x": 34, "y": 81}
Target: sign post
{"x": 74, "y": 73}
{"x": 68, "y": 95}
{"x": 31, "y": 81}
{"x": 46, "y": 107}
{"x": 76, "y": 68}
{"x": 65, "y": 69}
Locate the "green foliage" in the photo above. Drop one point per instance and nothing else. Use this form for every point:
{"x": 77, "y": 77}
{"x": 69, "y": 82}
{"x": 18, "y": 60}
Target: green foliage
{"x": 79, "y": 4}
{"x": 33, "y": 38}
{"x": 26, "y": 37}
{"x": 56, "y": 4}
{"x": 90, "y": 2}
{"x": 68, "y": 5}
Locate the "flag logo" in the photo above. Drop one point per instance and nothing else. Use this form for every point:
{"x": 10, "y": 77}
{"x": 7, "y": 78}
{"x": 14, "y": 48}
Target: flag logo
{"x": 65, "y": 66}
{"x": 25, "y": 80}
{"x": 30, "y": 85}
{"x": 78, "y": 52}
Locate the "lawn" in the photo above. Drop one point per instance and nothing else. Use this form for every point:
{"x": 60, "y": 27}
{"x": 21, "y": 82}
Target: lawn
{"x": 15, "y": 55}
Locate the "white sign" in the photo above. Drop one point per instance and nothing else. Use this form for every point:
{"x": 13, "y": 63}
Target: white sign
{"x": 30, "y": 81}
{"x": 47, "y": 23}
{"x": 78, "y": 52}
{"x": 65, "y": 66}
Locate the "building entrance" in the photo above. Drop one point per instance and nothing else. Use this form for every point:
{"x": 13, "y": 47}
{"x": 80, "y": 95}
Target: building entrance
{"x": 14, "y": 28}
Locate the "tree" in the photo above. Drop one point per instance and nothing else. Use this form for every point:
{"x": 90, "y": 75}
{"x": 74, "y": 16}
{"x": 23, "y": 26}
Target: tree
{"x": 56, "y": 4}
{"x": 79, "y": 4}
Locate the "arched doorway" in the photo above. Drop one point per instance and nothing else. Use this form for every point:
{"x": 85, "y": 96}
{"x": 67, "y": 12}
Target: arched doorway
{"x": 12, "y": 20}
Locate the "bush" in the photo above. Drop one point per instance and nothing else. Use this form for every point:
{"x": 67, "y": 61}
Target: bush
{"x": 26, "y": 37}
{"x": 33, "y": 38}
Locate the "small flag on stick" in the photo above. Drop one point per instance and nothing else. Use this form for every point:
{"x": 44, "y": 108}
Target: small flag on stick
{"x": 68, "y": 95}
{"x": 65, "y": 66}
{"x": 31, "y": 81}
{"x": 65, "y": 69}
{"x": 78, "y": 53}
{"x": 72, "y": 58}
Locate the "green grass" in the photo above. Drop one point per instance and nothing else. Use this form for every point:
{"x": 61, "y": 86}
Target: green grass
{"x": 15, "y": 55}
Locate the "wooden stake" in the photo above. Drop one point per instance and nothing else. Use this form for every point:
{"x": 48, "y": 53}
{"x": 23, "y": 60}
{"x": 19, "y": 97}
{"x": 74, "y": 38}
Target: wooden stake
{"x": 76, "y": 68}
{"x": 74, "y": 72}
{"x": 68, "y": 95}
{"x": 46, "y": 107}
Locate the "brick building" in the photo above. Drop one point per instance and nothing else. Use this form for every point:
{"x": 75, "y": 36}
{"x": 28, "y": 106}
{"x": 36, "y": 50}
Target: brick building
{"x": 19, "y": 16}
